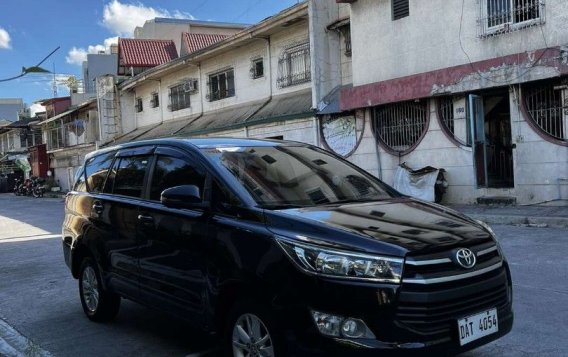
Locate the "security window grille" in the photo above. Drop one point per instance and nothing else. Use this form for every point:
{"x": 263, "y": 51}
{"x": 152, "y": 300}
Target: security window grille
{"x": 139, "y": 107}
{"x": 453, "y": 119}
{"x": 257, "y": 68}
{"x": 155, "y": 101}
{"x": 547, "y": 106}
{"x": 294, "y": 66}
{"x": 400, "y": 9}
{"x": 400, "y": 126}
{"x": 507, "y": 15}
{"x": 221, "y": 85}
{"x": 179, "y": 98}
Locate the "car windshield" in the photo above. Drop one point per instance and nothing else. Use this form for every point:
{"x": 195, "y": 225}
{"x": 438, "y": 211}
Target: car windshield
{"x": 297, "y": 176}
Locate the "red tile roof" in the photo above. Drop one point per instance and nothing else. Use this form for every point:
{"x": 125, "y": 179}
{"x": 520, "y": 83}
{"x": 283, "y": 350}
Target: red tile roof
{"x": 197, "y": 41}
{"x": 145, "y": 53}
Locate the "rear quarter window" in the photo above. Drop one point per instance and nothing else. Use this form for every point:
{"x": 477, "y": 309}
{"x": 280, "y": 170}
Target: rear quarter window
{"x": 96, "y": 170}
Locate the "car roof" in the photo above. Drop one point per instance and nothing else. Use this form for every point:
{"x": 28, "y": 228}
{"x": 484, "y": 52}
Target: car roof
{"x": 200, "y": 143}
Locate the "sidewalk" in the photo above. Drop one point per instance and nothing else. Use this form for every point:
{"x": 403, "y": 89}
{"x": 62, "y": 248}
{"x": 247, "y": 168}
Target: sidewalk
{"x": 551, "y": 214}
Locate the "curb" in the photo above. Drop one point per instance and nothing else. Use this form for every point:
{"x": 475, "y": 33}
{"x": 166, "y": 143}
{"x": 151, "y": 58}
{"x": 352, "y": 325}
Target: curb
{"x": 553, "y": 222}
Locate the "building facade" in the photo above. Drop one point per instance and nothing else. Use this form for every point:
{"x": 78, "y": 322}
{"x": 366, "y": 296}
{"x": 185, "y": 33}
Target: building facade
{"x": 69, "y": 136}
{"x": 256, "y": 83}
{"x": 10, "y": 108}
{"x": 99, "y": 64}
{"x": 481, "y": 93}
{"x": 161, "y": 28}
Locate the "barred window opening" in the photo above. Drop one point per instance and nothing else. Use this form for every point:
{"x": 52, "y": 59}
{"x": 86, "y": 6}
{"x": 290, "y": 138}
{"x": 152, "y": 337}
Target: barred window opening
{"x": 221, "y": 85}
{"x": 500, "y": 16}
{"x": 400, "y": 126}
{"x": 454, "y": 120}
{"x": 179, "y": 98}
{"x": 294, "y": 66}
{"x": 547, "y": 106}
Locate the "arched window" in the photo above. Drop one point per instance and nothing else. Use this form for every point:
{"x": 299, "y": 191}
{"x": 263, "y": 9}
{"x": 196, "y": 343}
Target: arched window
{"x": 453, "y": 119}
{"x": 342, "y": 132}
{"x": 547, "y": 108}
{"x": 399, "y": 127}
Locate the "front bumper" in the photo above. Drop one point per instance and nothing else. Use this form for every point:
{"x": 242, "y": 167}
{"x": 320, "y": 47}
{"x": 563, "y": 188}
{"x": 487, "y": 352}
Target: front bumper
{"x": 384, "y": 308}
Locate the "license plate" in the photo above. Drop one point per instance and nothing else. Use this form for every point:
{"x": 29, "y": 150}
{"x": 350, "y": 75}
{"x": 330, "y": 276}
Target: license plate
{"x": 477, "y": 326}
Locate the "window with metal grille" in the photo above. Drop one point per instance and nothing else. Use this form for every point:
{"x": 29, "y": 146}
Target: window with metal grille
{"x": 453, "y": 119}
{"x": 500, "y": 16}
{"x": 155, "y": 101}
{"x": 294, "y": 66}
{"x": 547, "y": 107}
{"x": 400, "y": 9}
{"x": 179, "y": 98}
{"x": 221, "y": 85}
{"x": 139, "y": 107}
{"x": 257, "y": 68}
{"x": 399, "y": 127}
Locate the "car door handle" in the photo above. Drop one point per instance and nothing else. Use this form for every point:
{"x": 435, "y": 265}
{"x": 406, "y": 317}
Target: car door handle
{"x": 145, "y": 219}
{"x": 98, "y": 207}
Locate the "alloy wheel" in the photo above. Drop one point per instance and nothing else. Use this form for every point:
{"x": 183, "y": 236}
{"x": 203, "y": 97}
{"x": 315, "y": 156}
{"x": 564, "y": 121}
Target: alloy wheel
{"x": 251, "y": 338}
{"x": 90, "y": 287}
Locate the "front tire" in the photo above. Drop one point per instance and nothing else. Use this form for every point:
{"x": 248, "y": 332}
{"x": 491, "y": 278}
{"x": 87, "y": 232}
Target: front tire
{"x": 98, "y": 304}
{"x": 251, "y": 331}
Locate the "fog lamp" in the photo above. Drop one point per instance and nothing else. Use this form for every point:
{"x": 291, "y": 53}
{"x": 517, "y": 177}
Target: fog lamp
{"x": 339, "y": 326}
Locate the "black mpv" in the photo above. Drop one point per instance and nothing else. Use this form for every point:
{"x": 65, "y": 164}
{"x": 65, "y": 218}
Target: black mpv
{"x": 281, "y": 248}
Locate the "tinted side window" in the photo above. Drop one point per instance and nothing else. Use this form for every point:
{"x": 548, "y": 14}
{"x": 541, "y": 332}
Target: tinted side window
{"x": 223, "y": 200}
{"x": 129, "y": 176}
{"x": 96, "y": 170}
{"x": 170, "y": 172}
{"x": 80, "y": 183}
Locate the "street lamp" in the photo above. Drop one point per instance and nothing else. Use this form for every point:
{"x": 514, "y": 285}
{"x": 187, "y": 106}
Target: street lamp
{"x": 32, "y": 69}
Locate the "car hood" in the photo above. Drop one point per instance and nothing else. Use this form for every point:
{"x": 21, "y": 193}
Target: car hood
{"x": 396, "y": 227}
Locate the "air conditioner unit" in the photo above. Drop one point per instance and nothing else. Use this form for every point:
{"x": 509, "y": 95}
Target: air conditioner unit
{"x": 190, "y": 85}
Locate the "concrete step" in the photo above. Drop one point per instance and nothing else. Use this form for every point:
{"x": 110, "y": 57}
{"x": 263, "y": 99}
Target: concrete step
{"x": 497, "y": 200}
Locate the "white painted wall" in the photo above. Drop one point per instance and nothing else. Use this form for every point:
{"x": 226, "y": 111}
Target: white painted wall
{"x": 429, "y": 38}
{"x": 246, "y": 88}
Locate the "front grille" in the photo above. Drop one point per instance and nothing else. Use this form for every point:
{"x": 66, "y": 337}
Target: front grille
{"x": 432, "y": 309}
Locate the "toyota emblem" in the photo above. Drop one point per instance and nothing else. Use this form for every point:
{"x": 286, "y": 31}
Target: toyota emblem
{"x": 465, "y": 258}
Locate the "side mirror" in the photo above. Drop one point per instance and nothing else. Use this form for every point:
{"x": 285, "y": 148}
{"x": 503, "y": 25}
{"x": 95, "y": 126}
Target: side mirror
{"x": 184, "y": 196}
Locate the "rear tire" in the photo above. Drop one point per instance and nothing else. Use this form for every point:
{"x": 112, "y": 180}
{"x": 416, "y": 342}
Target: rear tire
{"x": 252, "y": 331}
{"x": 98, "y": 304}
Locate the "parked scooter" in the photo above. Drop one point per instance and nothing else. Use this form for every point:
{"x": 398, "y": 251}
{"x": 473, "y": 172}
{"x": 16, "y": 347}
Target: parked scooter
{"x": 37, "y": 187}
{"x": 29, "y": 187}
{"x": 18, "y": 187}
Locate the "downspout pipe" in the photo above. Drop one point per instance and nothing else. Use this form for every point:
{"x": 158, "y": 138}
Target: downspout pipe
{"x": 269, "y": 62}
{"x": 198, "y": 65}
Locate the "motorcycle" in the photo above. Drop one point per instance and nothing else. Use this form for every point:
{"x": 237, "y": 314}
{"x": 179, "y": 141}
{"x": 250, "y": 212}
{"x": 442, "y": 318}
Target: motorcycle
{"x": 18, "y": 187}
{"x": 29, "y": 187}
{"x": 37, "y": 187}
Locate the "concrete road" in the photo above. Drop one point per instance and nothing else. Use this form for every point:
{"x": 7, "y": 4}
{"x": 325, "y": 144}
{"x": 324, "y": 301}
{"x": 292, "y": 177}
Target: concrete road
{"x": 39, "y": 299}
{"x": 40, "y": 311}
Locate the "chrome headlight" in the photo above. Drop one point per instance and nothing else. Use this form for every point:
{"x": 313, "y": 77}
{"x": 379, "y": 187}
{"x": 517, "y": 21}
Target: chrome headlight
{"x": 336, "y": 263}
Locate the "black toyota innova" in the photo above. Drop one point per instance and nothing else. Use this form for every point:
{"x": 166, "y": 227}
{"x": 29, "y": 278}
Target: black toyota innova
{"x": 281, "y": 248}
